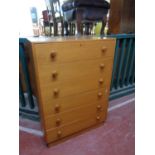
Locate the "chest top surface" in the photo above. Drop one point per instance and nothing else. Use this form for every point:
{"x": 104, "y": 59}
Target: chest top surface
{"x": 44, "y": 39}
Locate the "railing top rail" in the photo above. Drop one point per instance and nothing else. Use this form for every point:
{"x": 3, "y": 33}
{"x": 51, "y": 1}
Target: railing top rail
{"x": 119, "y": 36}
{"x": 22, "y": 40}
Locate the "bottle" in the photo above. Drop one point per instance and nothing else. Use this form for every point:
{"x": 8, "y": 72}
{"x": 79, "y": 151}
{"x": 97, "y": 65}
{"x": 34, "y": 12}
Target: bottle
{"x": 106, "y": 30}
{"x": 107, "y": 26}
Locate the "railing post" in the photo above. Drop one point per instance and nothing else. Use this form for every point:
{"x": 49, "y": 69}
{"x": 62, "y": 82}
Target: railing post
{"x": 132, "y": 63}
{"x": 128, "y": 51}
{"x": 122, "y": 54}
{"x": 27, "y": 79}
{"x": 21, "y": 94}
{"x": 115, "y": 63}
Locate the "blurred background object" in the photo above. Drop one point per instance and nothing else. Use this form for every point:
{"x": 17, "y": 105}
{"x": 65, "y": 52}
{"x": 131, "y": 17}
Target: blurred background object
{"x": 25, "y": 17}
{"x": 69, "y": 17}
{"x": 122, "y": 16}
{"x": 34, "y": 18}
{"x": 47, "y": 22}
{"x": 54, "y": 8}
{"x": 85, "y": 14}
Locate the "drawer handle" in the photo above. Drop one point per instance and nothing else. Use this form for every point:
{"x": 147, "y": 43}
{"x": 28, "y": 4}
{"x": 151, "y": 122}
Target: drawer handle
{"x": 56, "y": 91}
{"x": 104, "y": 49}
{"x": 106, "y": 91}
{"x": 99, "y": 94}
{"x": 54, "y": 74}
{"x": 102, "y": 66}
{"x": 101, "y": 81}
{"x": 98, "y": 118}
{"x": 53, "y": 54}
{"x": 57, "y": 107}
{"x": 59, "y": 133}
{"x": 98, "y": 107}
{"x": 58, "y": 121}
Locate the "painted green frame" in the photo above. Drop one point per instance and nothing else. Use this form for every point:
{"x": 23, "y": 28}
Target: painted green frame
{"x": 123, "y": 75}
{"x": 26, "y": 107}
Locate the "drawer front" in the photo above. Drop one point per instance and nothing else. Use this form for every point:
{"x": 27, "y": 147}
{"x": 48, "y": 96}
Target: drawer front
{"x": 73, "y": 87}
{"x": 82, "y": 112}
{"x": 74, "y": 70}
{"x": 59, "y": 105}
{"x": 60, "y": 52}
{"x": 69, "y": 129}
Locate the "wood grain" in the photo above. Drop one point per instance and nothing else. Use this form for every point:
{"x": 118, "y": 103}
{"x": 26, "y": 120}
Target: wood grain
{"x": 122, "y": 16}
{"x": 83, "y": 111}
{"x": 73, "y": 127}
{"x": 72, "y": 83}
{"x": 75, "y": 51}
{"x": 71, "y": 70}
{"x": 74, "y": 101}
{"x": 73, "y": 87}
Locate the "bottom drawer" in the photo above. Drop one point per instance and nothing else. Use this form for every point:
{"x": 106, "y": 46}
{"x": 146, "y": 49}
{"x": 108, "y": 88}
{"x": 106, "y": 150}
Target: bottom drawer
{"x": 73, "y": 127}
{"x": 82, "y": 112}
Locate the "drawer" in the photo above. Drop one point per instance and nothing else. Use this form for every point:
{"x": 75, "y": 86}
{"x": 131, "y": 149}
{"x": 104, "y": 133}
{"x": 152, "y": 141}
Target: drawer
{"x": 71, "y": 128}
{"x": 53, "y": 106}
{"x": 74, "y": 86}
{"x": 82, "y": 112}
{"x": 61, "y": 72}
{"x": 60, "y": 52}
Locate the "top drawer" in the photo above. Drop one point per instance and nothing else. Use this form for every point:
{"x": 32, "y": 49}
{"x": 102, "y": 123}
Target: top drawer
{"x": 73, "y": 51}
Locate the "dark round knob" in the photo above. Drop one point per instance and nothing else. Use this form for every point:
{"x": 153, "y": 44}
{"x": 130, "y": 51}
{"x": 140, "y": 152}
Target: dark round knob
{"x": 104, "y": 49}
{"x": 101, "y": 81}
{"x": 59, "y": 133}
{"x": 99, "y": 94}
{"x": 54, "y": 74}
{"x": 102, "y": 66}
{"x": 56, "y": 91}
{"x": 58, "y": 121}
{"x": 98, "y": 117}
{"x": 106, "y": 90}
{"x": 57, "y": 107}
{"x": 53, "y": 54}
{"x": 98, "y": 107}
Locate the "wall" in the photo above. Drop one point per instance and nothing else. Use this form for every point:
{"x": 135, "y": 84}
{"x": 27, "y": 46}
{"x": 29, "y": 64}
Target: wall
{"x": 25, "y": 22}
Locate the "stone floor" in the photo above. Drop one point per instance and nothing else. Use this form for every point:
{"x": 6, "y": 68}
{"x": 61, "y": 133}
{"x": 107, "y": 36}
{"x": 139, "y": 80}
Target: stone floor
{"x": 115, "y": 137}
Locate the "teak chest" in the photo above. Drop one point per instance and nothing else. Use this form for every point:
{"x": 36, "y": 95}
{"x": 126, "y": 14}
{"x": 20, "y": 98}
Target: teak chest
{"x": 71, "y": 77}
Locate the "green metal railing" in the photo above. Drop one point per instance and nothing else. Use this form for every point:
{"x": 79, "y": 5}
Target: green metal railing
{"x": 27, "y": 100}
{"x": 123, "y": 75}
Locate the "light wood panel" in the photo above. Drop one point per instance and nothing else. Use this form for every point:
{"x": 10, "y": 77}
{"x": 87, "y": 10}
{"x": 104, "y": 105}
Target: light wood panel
{"x": 74, "y": 70}
{"x": 74, "y": 51}
{"x": 69, "y": 129}
{"x": 73, "y": 84}
{"x": 59, "y": 105}
{"x": 83, "y": 111}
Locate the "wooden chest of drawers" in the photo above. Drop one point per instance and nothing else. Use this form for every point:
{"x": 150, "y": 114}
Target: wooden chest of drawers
{"x": 73, "y": 78}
